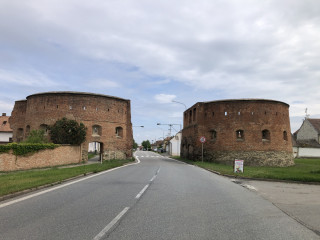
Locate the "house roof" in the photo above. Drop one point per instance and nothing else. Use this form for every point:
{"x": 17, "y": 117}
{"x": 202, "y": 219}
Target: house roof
{"x": 315, "y": 123}
{"x": 4, "y": 124}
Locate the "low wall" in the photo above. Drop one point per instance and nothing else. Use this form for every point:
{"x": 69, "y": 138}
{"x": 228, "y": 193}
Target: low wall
{"x": 300, "y": 152}
{"x": 44, "y": 158}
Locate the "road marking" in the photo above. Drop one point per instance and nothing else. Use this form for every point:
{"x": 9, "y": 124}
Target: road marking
{"x": 142, "y": 191}
{"x": 153, "y": 178}
{"x": 64, "y": 185}
{"x": 111, "y": 224}
{"x": 249, "y": 187}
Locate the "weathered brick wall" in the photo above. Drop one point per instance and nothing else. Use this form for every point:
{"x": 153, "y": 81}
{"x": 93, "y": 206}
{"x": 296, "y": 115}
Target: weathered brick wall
{"x": 17, "y": 120}
{"x": 45, "y": 158}
{"x": 226, "y": 118}
{"x": 104, "y": 111}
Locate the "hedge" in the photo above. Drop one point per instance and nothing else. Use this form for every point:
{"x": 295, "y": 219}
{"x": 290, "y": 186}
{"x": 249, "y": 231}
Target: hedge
{"x": 25, "y": 148}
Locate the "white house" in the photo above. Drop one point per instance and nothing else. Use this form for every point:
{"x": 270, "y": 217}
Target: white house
{"x": 175, "y": 145}
{"x": 306, "y": 141}
{"x": 5, "y": 129}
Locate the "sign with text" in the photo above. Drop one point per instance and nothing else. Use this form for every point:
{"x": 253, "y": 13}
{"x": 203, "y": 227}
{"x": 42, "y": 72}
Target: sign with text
{"x": 238, "y": 166}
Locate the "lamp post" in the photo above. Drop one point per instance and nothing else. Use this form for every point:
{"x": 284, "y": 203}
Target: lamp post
{"x": 180, "y": 103}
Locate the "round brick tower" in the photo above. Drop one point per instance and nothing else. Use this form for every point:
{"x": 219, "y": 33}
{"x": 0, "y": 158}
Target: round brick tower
{"x": 107, "y": 118}
{"x": 254, "y": 130}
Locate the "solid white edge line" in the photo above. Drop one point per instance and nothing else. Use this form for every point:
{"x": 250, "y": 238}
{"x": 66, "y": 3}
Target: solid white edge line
{"x": 111, "y": 224}
{"x": 64, "y": 185}
{"x": 142, "y": 191}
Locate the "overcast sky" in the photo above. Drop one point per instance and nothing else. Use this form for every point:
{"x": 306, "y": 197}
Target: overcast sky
{"x": 153, "y": 52}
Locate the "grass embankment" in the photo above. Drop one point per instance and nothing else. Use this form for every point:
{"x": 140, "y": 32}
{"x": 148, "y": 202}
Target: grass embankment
{"x": 18, "y": 181}
{"x": 304, "y": 170}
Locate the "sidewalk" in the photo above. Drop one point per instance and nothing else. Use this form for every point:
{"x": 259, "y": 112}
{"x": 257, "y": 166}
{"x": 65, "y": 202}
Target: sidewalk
{"x": 299, "y": 201}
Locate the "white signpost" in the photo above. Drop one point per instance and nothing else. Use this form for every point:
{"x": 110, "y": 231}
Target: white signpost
{"x": 202, "y": 140}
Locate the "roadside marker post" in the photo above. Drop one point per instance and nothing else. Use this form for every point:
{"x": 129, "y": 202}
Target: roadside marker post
{"x": 202, "y": 140}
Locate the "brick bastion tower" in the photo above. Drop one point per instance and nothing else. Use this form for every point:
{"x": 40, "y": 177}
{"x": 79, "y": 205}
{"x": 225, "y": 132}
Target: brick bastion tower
{"x": 107, "y": 118}
{"x": 254, "y": 130}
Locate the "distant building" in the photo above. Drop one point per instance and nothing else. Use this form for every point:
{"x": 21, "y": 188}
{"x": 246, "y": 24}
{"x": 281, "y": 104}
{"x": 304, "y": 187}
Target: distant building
{"x": 5, "y": 129}
{"x": 254, "y": 130}
{"x": 306, "y": 140}
{"x": 175, "y": 144}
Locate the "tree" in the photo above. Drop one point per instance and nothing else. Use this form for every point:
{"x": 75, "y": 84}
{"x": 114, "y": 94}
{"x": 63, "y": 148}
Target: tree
{"x": 146, "y": 144}
{"x": 66, "y": 131}
{"x": 36, "y": 136}
{"x": 134, "y": 145}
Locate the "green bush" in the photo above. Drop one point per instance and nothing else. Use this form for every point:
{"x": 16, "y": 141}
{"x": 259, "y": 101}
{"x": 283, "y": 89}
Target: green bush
{"x": 4, "y": 148}
{"x": 36, "y": 136}
{"x": 66, "y": 131}
{"x": 25, "y": 148}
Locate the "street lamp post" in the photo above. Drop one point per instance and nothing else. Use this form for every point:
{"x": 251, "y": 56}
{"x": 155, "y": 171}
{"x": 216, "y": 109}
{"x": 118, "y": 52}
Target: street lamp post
{"x": 180, "y": 103}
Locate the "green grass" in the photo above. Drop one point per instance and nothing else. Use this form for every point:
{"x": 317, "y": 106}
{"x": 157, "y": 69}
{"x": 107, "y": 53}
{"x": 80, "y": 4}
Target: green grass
{"x": 304, "y": 170}
{"x": 91, "y": 155}
{"x": 22, "y": 180}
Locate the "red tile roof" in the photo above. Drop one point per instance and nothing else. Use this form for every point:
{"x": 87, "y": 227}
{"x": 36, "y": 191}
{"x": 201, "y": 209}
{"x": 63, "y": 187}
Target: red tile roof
{"x": 4, "y": 124}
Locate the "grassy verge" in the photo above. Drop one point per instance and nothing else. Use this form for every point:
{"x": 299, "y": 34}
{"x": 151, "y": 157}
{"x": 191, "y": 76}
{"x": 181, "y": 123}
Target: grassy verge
{"x": 305, "y": 170}
{"x": 18, "y": 181}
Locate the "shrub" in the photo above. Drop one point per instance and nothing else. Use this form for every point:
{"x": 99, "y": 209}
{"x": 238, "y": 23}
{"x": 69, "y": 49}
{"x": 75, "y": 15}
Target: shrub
{"x": 36, "y": 136}
{"x": 24, "y": 148}
{"x": 66, "y": 131}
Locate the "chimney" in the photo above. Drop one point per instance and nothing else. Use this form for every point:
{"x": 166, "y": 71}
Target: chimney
{"x": 4, "y": 114}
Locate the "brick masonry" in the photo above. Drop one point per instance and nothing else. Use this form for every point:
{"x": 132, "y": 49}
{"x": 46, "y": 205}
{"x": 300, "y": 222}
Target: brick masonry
{"x": 255, "y": 130}
{"x": 107, "y": 118}
{"x": 62, "y": 155}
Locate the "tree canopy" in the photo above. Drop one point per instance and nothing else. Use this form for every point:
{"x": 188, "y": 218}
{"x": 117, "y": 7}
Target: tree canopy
{"x": 146, "y": 144}
{"x": 66, "y": 131}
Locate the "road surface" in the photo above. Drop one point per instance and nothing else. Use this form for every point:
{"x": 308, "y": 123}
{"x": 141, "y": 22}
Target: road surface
{"x": 158, "y": 198}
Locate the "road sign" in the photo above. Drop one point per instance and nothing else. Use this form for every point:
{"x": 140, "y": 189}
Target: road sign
{"x": 238, "y": 166}
{"x": 202, "y": 139}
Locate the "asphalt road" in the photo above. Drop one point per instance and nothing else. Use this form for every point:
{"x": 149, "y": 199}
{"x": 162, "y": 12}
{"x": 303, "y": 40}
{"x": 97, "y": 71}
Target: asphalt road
{"x": 158, "y": 198}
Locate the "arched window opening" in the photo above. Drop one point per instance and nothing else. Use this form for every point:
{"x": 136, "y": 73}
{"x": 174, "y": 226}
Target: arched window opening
{"x": 119, "y": 131}
{"x": 20, "y": 134}
{"x": 285, "y": 135}
{"x": 226, "y": 113}
{"x": 96, "y": 130}
{"x": 265, "y": 135}
{"x": 177, "y": 137}
{"x": 27, "y": 130}
{"x": 240, "y": 134}
{"x": 44, "y": 127}
{"x": 213, "y": 135}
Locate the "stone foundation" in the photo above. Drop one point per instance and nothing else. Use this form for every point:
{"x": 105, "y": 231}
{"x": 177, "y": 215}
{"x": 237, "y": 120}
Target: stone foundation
{"x": 251, "y": 158}
{"x": 108, "y": 155}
